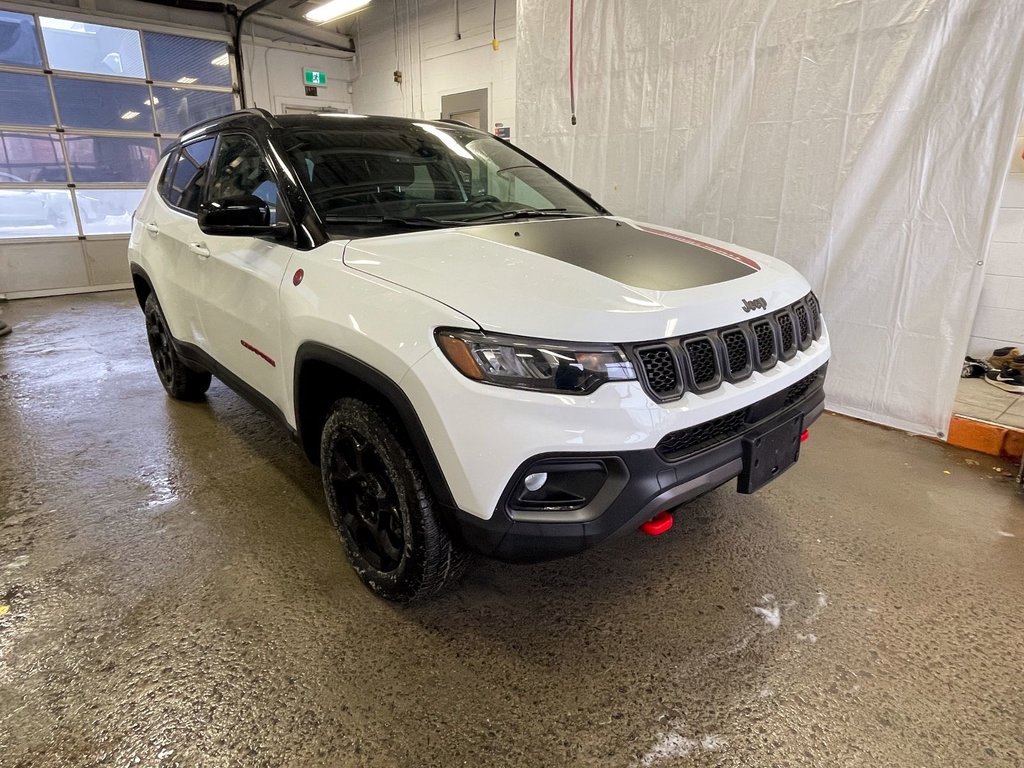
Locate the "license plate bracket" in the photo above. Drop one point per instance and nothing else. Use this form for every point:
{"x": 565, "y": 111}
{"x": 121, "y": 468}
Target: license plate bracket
{"x": 771, "y": 453}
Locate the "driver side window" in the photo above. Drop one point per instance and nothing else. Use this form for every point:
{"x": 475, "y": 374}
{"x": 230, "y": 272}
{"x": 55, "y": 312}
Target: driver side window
{"x": 240, "y": 169}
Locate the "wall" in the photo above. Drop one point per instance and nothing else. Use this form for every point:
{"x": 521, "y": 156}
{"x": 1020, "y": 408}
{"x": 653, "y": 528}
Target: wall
{"x": 425, "y": 47}
{"x": 1000, "y": 318}
{"x": 864, "y": 142}
{"x": 274, "y": 77}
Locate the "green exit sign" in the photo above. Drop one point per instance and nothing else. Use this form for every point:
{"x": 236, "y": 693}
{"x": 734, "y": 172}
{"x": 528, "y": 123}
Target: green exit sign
{"x": 315, "y": 78}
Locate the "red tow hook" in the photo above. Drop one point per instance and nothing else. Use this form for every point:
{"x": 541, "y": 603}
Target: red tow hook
{"x": 804, "y": 435}
{"x": 658, "y": 524}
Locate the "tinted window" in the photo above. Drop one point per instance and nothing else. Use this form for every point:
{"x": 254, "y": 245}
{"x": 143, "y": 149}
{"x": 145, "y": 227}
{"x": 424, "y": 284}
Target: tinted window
{"x": 103, "y": 105}
{"x": 186, "y": 190}
{"x": 177, "y": 59}
{"x": 167, "y": 176}
{"x": 94, "y": 48}
{"x": 25, "y": 100}
{"x": 31, "y": 157}
{"x": 18, "y": 43}
{"x": 179, "y": 108}
{"x": 240, "y": 170}
{"x": 353, "y": 167}
{"x": 109, "y": 158}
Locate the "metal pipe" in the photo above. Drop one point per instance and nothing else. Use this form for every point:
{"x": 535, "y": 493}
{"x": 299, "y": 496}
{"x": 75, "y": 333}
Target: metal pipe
{"x": 239, "y": 21}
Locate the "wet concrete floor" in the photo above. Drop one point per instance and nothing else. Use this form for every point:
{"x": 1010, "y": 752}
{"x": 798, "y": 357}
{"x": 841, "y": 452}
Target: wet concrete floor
{"x": 173, "y": 595}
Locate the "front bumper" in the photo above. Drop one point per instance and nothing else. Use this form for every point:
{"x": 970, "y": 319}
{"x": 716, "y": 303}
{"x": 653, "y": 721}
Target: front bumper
{"x": 649, "y": 482}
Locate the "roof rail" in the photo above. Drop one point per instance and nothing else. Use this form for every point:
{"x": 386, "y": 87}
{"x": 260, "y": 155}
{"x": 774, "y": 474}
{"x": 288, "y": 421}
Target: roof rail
{"x": 253, "y": 111}
{"x": 456, "y": 122}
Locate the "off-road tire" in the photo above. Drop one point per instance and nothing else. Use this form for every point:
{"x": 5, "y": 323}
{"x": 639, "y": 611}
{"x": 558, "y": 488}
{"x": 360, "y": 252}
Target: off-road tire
{"x": 382, "y": 507}
{"x": 181, "y": 381}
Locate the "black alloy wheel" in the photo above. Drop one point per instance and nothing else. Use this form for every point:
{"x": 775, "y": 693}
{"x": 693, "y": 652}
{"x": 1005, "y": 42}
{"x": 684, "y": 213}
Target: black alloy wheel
{"x": 181, "y": 381}
{"x": 367, "y": 500}
{"x": 382, "y": 507}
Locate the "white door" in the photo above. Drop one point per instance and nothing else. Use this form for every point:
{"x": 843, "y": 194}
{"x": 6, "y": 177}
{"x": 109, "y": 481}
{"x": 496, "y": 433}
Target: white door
{"x": 240, "y": 277}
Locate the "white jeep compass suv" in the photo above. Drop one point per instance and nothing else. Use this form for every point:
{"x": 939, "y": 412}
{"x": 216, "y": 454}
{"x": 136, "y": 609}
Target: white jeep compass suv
{"x": 476, "y": 353}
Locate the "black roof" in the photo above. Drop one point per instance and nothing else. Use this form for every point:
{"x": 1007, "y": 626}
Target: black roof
{"x": 261, "y": 120}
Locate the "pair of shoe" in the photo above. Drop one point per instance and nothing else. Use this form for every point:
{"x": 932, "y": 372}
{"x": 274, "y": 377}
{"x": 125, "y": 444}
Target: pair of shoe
{"x": 1008, "y": 375}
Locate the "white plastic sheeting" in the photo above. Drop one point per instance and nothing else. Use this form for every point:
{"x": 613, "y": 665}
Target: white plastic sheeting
{"x": 865, "y": 142}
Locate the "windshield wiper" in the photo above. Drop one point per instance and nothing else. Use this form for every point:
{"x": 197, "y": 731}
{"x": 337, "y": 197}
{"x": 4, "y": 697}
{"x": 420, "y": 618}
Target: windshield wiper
{"x": 415, "y": 221}
{"x": 529, "y": 213}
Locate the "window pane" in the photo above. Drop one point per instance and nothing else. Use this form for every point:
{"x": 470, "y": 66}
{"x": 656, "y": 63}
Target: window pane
{"x": 103, "y": 158}
{"x": 187, "y": 185}
{"x": 177, "y": 59}
{"x": 93, "y": 48}
{"x": 179, "y": 108}
{"x": 18, "y": 44}
{"x": 241, "y": 170}
{"x": 31, "y": 157}
{"x": 96, "y": 104}
{"x": 107, "y": 211}
{"x": 25, "y": 100}
{"x": 36, "y": 213}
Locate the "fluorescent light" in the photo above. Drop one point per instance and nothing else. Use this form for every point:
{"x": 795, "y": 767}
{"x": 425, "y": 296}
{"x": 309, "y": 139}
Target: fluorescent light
{"x": 220, "y": 61}
{"x": 131, "y": 114}
{"x": 335, "y": 9}
{"x": 186, "y": 80}
{"x": 149, "y": 103}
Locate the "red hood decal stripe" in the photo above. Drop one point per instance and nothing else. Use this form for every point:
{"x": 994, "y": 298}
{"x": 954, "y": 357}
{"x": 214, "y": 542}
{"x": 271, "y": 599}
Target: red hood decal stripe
{"x": 701, "y": 244}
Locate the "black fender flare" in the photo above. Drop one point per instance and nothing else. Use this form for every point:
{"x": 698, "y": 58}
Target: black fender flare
{"x": 391, "y": 392}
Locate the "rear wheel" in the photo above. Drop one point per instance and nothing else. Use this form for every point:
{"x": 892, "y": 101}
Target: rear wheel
{"x": 382, "y": 507}
{"x": 181, "y": 381}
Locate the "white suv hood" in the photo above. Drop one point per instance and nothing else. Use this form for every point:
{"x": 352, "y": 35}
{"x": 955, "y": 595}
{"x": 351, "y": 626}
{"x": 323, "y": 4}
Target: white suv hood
{"x": 584, "y": 279}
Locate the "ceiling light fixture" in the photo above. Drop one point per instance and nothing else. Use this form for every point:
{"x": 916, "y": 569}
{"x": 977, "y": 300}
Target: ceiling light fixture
{"x": 155, "y": 101}
{"x": 335, "y": 9}
{"x": 220, "y": 61}
{"x": 186, "y": 80}
{"x": 131, "y": 114}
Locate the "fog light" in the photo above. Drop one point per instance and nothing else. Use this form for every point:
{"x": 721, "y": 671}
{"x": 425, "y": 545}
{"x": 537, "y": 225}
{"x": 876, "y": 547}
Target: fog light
{"x": 535, "y": 481}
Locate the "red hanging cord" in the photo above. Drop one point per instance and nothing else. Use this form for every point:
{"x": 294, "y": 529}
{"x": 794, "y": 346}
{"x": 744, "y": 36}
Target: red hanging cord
{"x": 572, "y": 55}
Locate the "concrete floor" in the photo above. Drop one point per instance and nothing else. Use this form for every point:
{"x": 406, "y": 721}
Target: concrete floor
{"x": 177, "y": 597}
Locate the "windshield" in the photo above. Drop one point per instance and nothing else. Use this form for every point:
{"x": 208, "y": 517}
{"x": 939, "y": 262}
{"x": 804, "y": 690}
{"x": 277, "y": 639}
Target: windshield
{"x": 422, "y": 175}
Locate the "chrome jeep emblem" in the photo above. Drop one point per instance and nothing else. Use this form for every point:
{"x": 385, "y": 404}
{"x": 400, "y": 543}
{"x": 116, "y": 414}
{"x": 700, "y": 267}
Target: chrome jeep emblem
{"x": 758, "y": 303}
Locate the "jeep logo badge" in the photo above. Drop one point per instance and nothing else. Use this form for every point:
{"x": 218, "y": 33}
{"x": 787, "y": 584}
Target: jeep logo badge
{"x": 758, "y": 303}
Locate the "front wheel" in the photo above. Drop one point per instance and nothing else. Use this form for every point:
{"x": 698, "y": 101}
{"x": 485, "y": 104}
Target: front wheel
{"x": 382, "y": 507}
{"x": 180, "y": 381}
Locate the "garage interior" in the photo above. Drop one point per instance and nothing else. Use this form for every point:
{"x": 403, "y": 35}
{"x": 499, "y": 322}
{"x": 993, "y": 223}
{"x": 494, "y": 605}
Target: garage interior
{"x": 171, "y": 589}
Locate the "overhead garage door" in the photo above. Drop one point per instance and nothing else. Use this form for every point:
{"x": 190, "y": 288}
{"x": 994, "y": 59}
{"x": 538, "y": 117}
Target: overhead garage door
{"x": 85, "y": 109}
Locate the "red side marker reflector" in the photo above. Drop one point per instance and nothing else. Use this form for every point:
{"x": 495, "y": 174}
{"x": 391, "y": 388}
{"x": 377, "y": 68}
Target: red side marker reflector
{"x": 658, "y": 524}
{"x": 804, "y": 435}
{"x": 297, "y": 277}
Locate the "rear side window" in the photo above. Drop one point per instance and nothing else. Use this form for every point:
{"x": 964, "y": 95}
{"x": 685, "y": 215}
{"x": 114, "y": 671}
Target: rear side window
{"x": 164, "y": 187}
{"x": 185, "y": 190}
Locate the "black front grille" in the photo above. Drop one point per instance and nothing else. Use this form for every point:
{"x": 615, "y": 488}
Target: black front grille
{"x": 804, "y": 324}
{"x": 796, "y": 391}
{"x": 736, "y": 351}
{"x": 683, "y": 442}
{"x": 659, "y": 365}
{"x": 815, "y": 309}
{"x": 699, "y": 363}
{"x": 703, "y": 366}
{"x": 703, "y": 435}
{"x": 765, "y": 342}
{"x": 788, "y": 333}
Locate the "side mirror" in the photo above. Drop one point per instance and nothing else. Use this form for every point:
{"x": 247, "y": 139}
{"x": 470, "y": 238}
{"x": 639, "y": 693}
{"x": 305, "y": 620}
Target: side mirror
{"x": 247, "y": 216}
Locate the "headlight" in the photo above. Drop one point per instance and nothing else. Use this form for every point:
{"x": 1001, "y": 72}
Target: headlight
{"x": 546, "y": 366}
